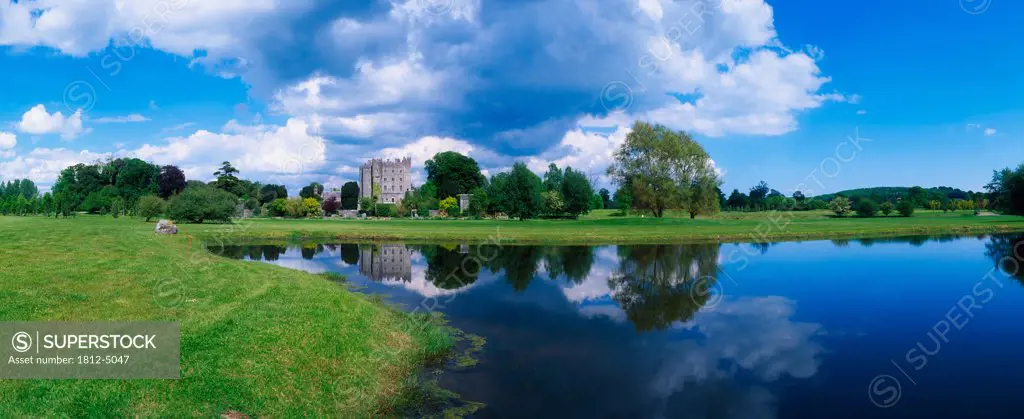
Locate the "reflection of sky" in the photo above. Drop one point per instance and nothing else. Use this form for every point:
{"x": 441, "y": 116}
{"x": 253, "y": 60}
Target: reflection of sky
{"x": 564, "y": 349}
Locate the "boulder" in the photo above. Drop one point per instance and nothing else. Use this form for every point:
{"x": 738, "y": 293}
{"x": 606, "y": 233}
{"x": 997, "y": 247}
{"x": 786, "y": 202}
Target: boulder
{"x": 166, "y": 227}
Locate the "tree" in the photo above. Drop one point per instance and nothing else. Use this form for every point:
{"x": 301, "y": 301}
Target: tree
{"x": 553, "y": 203}
{"x": 738, "y": 200}
{"x": 478, "y": 202}
{"x": 199, "y": 204}
{"x": 905, "y": 208}
{"x": 886, "y": 208}
{"x": 596, "y": 202}
{"x": 226, "y": 179}
{"x": 1007, "y": 190}
{"x": 758, "y": 193}
{"x": 799, "y": 196}
{"x": 331, "y": 204}
{"x": 350, "y": 196}
{"x": 867, "y": 208}
{"x": 576, "y": 192}
{"x": 151, "y": 206}
{"x": 553, "y": 178}
{"x": 606, "y": 198}
{"x": 660, "y": 165}
{"x": 839, "y": 205}
{"x": 313, "y": 190}
{"x": 171, "y": 181}
{"x": 453, "y": 174}
{"x": 135, "y": 179}
{"x": 623, "y": 200}
{"x": 269, "y": 193}
{"x": 701, "y": 198}
{"x": 521, "y": 195}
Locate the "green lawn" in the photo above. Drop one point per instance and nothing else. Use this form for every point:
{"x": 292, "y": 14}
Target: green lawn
{"x": 604, "y": 227}
{"x": 256, "y": 339}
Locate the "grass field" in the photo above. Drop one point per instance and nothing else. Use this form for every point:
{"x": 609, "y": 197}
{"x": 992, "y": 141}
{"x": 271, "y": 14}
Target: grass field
{"x": 256, "y": 339}
{"x": 604, "y": 227}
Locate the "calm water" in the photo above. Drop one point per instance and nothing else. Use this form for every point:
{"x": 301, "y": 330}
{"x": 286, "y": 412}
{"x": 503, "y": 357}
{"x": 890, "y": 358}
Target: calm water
{"x": 921, "y": 327}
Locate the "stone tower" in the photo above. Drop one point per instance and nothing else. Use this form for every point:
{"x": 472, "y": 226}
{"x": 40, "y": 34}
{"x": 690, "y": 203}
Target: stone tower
{"x": 391, "y": 175}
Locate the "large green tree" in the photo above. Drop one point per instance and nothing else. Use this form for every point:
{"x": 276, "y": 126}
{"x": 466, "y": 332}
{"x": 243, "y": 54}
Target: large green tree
{"x": 453, "y": 174}
{"x": 521, "y": 194}
{"x": 576, "y": 192}
{"x": 269, "y": 193}
{"x": 135, "y": 179}
{"x": 349, "y": 195}
{"x": 660, "y": 165}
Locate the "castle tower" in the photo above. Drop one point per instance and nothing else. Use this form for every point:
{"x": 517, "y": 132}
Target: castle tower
{"x": 391, "y": 175}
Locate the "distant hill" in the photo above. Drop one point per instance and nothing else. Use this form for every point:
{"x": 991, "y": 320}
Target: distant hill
{"x": 887, "y": 193}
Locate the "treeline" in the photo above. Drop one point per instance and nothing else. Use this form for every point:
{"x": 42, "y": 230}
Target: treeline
{"x": 518, "y": 193}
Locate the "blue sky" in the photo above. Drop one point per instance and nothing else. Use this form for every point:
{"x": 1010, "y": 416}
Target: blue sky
{"x": 305, "y": 90}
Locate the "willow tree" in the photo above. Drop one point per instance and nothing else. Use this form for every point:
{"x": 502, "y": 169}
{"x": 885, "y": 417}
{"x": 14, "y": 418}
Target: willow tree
{"x": 665, "y": 169}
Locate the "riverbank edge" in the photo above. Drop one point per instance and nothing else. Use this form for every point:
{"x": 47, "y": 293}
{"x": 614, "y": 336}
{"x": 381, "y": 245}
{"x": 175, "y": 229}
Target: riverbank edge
{"x": 507, "y": 237}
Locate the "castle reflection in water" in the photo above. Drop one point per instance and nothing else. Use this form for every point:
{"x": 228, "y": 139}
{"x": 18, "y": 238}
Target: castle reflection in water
{"x": 386, "y": 262}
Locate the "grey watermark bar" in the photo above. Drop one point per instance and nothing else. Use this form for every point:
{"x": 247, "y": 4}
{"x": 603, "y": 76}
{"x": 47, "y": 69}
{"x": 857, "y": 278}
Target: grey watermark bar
{"x": 90, "y": 350}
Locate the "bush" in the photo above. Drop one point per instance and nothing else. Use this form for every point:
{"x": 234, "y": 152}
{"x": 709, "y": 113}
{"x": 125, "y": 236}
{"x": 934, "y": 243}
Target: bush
{"x": 905, "y": 208}
{"x": 202, "y": 203}
{"x": 312, "y": 207}
{"x": 331, "y": 204}
{"x": 278, "y": 207}
{"x": 886, "y": 208}
{"x": 151, "y": 206}
{"x": 839, "y": 205}
{"x": 386, "y": 210}
{"x": 867, "y": 208}
{"x": 295, "y": 208}
{"x": 455, "y": 212}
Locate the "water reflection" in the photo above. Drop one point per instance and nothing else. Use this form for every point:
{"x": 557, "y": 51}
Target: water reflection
{"x": 643, "y": 331}
{"x": 1007, "y": 252}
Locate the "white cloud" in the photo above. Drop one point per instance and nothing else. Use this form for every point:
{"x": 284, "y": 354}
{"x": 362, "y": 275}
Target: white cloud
{"x": 7, "y": 140}
{"x": 121, "y": 119}
{"x": 38, "y": 121}
{"x": 42, "y": 165}
{"x": 990, "y": 132}
{"x": 77, "y": 27}
{"x": 289, "y": 154}
{"x": 862, "y": 112}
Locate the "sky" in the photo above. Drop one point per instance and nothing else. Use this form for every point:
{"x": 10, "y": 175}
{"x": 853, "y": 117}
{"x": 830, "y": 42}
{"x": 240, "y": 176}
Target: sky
{"x": 806, "y": 95}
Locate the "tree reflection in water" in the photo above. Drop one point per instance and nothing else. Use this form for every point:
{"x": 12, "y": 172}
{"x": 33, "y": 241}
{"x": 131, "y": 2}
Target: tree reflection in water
{"x": 1007, "y": 252}
{"x": 658, "y": 285}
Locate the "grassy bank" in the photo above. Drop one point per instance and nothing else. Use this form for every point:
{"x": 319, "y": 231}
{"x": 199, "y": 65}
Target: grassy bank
{"x": 256, "y": 339}
{"x": 604, "y": 227}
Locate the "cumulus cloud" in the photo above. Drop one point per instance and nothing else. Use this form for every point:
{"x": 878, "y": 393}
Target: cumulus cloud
{"x": 990, "y": 132}
{"x": 290, "y": 154}
{"x": 513, "y": 80}
{"x": 7, "y": 140}
{"x": 38, "y": 121}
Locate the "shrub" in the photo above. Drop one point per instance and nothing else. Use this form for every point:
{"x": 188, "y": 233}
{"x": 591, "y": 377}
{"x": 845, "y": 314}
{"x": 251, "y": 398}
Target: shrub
{"x": 151, "y": 206}
{"x": 839, "y": 205}
{"x": 455, "y": 212}
{"x": 312, "y": 207}
{"x": 905, "y": 208}
{"x": 448, "y": 204}
{"x": 331, "y": 204}
{"x": 279, "y": 207}
{"x": 295, "y": 208}
{"x": 386, "y": 210}
{"x": 886, "y": 208}
{"x": 117, "y": 207}
{"x": 202, "y": 203}
{"x": 366, "y": 205}
{"x": 867, "y": 208}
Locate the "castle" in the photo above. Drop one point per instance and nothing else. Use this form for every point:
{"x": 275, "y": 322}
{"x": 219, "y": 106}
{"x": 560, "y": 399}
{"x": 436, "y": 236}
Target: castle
{"x": 391, "y": 175}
